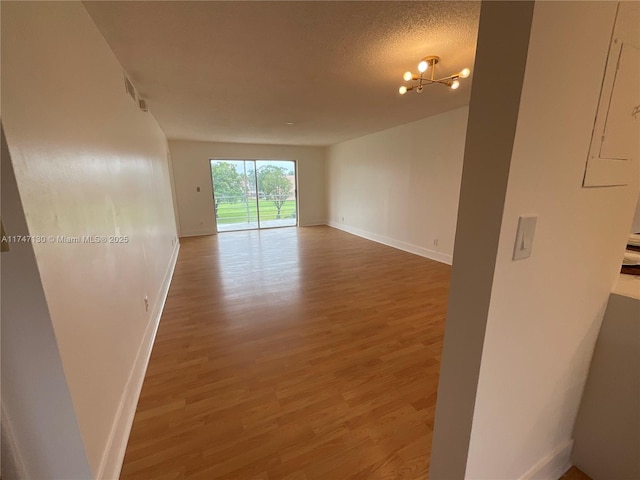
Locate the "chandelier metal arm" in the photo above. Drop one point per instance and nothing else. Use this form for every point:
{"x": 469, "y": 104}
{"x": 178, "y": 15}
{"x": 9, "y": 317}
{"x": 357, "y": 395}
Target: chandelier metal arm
{"x": 438, "y": 80}
{"x": 450, "y": 77}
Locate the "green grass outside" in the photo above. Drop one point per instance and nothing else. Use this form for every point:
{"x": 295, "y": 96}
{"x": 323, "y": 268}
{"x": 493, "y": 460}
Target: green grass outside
{"x": 237, "y": 212}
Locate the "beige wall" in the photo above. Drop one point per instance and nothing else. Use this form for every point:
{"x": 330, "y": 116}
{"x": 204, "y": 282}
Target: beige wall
{"x": 88, "y": 162}
{"x": 401, "y": 186}
{"x": 191, "y": 169}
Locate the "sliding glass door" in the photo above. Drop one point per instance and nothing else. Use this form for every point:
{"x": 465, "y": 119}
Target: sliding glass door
{"x": 251, "y": 194}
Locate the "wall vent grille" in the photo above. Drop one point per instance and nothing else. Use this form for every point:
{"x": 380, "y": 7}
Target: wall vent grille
{"x": 130, "y": 88}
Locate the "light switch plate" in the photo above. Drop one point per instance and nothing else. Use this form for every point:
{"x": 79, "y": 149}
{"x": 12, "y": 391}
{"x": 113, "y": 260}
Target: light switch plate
{"x": 524, "y": 237}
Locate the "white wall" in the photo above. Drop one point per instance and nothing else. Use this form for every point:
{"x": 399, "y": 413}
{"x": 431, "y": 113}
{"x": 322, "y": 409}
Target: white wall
{"x": 40, "y": 434}
{"x": 401, "y": 186}
{"x": 88, "y": 162}
{"x": 191, "y": 169}
{"x": 503, "y": 39}
{"x": 635, "y": 225}
{"x": 607, "y": 430}
{"x": 544, "y": 312}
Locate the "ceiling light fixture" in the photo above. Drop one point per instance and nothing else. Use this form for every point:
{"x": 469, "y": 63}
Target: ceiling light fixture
{"x": 420, "y": 80}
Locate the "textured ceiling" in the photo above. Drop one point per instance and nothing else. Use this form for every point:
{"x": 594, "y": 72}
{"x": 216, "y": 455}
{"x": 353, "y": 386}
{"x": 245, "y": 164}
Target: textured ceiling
{"x": 238, "y": 71}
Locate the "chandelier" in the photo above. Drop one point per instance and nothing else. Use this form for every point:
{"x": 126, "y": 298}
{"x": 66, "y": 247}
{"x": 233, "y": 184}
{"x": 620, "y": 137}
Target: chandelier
{"x": 420, "y": 80}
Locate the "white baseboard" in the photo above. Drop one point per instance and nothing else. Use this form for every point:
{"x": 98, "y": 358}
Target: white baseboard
{"x": 313, "y": 224}
{"x": 200, "y": 233}
{"x": 392, "y": 242}
{"x": 113, "y": 456}
{"x": 197, "y": 233}
{"x": 553, "y": 465}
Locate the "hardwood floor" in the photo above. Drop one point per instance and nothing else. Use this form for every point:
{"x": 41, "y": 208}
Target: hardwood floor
{"x": 292, "y": 354}
{"x": 574, "y": 473}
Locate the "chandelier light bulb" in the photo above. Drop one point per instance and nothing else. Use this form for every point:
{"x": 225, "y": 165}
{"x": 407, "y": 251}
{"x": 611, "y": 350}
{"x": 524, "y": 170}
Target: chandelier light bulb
{"x": 407, "y": 76}
{"x": 402, "y": 90}
{"x": 455, "y": 84}
{"x": 422, "y": 66}
{"x": 465, "y": 73}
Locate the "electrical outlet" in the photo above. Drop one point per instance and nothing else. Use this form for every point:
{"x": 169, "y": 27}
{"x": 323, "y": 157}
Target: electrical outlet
{"x": 435, "y": 242}
{"x": 343, "y": 219}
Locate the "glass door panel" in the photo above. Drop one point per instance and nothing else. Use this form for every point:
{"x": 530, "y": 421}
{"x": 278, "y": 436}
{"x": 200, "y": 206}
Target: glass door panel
{"x": 236, "y": 208}
{"x": 276, "y": 181}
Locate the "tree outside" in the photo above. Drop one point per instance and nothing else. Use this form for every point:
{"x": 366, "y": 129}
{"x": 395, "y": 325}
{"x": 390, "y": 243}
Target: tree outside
{"x": 251, "y": 182}
{"x": 229, "y": 187}
{"x": 276, "y": 186}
